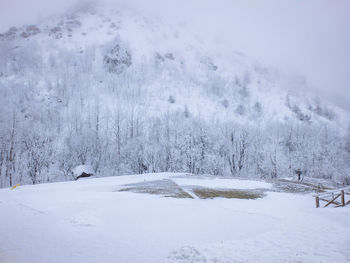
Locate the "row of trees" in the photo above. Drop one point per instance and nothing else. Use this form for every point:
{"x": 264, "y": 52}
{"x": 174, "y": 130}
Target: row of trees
{"x": 65, "y": 110}
{"x": 116, "y": 143}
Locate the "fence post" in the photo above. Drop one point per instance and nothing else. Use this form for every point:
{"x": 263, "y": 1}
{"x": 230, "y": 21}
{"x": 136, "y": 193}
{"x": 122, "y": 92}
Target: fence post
{"x": 342, "y": 198}
{"x": 317, "y": 201}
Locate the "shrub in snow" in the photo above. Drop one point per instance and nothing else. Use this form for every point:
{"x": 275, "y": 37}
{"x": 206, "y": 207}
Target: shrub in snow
{"x": 169, "y": 56}
{"x": 240, "y": 110}
{"x": 225, "y": 103}
{"x": 300, "y": 115}
{"x": 159, "y": 58}
{"x": 186, "y": 112}
{"x": 209, "y": 63}
{"x": 297, "y": 111}
{"x": 244, "y": 92}
{"x": 30, "y": 31}
{"x": 10, "y": 33}
{"x": 171, "y": 99}
{"x": 117, "y": 60}
{"x": 322, "y": 111}
{"x": 258, "y": 107}
{"x": 56, "y": 32}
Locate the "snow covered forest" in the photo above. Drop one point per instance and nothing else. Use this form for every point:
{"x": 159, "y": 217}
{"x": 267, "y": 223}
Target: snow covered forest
{"x": 80, "y": 90}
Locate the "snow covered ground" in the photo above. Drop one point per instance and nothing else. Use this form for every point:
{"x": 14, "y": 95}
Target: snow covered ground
{"x": 91, "y": 221}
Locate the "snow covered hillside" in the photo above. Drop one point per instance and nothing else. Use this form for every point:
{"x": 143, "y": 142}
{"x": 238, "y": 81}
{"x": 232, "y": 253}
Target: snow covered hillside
{"x": 210, "y": 79}
{"x": 126, "y": 93}
{"x": 98, "y": 220}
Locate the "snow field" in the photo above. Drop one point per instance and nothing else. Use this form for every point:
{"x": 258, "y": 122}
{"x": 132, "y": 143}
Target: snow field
{"x": 90, "y": 221}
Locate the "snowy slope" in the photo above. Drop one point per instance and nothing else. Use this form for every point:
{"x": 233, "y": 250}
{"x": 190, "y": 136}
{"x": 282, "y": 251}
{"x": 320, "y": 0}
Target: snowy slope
{"x": 210, "y": 79}
{"x": 90, "y": 221}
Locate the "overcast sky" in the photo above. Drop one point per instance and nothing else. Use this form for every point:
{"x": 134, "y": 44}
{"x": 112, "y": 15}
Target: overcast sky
{"x": 311, "y": 37}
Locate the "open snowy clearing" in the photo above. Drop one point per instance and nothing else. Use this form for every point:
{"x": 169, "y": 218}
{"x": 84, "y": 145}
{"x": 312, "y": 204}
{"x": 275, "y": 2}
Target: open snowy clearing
{"x": 93, "y": 221}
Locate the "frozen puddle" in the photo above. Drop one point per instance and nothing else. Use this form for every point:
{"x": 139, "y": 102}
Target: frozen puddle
{"x": 191, "y": 189}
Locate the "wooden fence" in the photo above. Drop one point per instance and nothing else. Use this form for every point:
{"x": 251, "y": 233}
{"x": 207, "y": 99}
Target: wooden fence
{"x": 336, "y": 198}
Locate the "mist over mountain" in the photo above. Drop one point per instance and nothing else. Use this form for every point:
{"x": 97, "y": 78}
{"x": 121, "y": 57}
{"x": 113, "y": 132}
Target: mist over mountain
{"x": 307, "y": 37}
{"x": 123, "y": 90}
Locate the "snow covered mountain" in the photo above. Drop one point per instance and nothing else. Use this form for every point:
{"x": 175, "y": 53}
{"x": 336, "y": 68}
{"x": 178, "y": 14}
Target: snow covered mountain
{"x": 175, "y": 66}
{"x": 129, "y": 93}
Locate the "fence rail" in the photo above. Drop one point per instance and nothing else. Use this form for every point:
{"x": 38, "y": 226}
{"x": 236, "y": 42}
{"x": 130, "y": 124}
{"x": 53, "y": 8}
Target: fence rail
{"x": 336, "y": 198}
